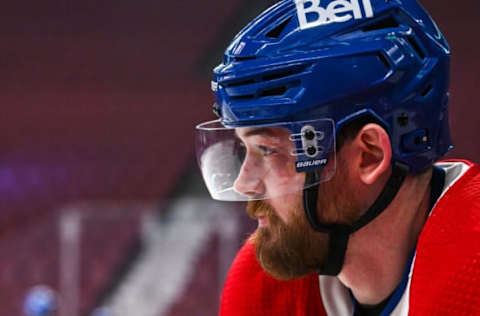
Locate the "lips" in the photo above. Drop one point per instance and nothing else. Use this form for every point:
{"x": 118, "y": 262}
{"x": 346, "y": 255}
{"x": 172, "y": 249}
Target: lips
{"x": 262, "y": 221}
{"x": 260, "y": 211}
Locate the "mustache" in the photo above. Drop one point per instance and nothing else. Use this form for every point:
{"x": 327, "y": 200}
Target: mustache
{"x": 259, "y": 208}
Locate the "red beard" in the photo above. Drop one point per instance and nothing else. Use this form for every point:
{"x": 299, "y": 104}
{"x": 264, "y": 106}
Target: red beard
{"x": 292, "y": 249}
{"x": 287, "y": 251}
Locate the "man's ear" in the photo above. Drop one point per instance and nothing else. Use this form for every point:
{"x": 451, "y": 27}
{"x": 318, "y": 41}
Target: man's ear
{"x": 373, "y": 152}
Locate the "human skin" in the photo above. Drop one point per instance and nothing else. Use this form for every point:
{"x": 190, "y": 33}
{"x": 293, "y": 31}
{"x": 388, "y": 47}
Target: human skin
{"x": 376, "y": 254}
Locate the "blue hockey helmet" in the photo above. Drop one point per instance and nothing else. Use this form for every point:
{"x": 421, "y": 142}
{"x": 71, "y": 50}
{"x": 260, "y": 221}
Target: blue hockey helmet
{"x": 312, "y": 66}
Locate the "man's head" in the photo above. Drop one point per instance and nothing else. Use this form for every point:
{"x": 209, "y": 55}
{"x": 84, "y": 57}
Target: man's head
{"x": 286, "y": 245}
{"x": 310, "y": 73}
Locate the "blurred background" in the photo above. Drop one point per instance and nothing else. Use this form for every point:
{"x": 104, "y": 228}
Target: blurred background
{"x": 103, "y": 211}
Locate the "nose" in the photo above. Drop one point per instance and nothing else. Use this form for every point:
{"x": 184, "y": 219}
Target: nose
{"x": 249, "y": 182}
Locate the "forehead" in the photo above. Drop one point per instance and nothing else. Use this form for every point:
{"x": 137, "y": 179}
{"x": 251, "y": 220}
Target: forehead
{"x": 278, "y": 133}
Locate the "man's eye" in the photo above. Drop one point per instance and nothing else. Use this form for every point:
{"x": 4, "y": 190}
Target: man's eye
{"x": 266, "y": 151}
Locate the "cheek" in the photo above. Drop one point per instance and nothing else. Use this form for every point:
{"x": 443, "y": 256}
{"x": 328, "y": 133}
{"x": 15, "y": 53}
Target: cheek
{"x": 287, "y": 205}
{"x": 282, "y": 178}
{"x": 336, "y": 202}
{"x": 281, "y": 209}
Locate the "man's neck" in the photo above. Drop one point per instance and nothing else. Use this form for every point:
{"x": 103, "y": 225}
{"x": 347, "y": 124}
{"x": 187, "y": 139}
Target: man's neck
{"x": 377, "y": 254}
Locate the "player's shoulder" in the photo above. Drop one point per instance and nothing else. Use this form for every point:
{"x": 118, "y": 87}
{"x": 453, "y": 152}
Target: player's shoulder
{"x": 250, "y": 291}
{"x": 455, "y": 217}
{"x": 462, "y": 178}
{"x": 447, "y": 262}
{"x": 460, "y": 200}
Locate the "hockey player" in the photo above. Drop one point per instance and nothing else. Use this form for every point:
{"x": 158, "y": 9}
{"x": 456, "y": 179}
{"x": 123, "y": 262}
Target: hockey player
{"x": 333, "y": 117}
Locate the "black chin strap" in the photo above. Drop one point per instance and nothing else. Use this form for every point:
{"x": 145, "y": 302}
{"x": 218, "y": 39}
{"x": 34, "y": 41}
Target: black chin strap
{"x": 340, "y": 233}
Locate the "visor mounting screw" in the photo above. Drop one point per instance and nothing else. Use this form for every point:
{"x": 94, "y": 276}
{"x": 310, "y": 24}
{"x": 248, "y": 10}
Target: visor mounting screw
{"x": 309, "y": 134}
{"x": 311, "y": 151}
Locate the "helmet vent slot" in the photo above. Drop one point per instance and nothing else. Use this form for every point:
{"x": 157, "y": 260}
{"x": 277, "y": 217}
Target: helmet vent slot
{"x": 285, "y": 73}
{"x": 243, "y": 97}
{"x": 386, "y": 23}
{"x": 267, "y": 84}
{"x": 278, "y": 75}
{"x": 427, "y": 90}
{"x": 275, "y": 32}
{"x": 244, "y": 58}
{"x": 384, "y": 60}
{"x": 416, "y": 47}
{"x": 240, "y": 83}
{"x": 273, "y": 92}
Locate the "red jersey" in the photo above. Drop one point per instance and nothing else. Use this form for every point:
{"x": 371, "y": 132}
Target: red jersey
{"x": 443, "y": 279}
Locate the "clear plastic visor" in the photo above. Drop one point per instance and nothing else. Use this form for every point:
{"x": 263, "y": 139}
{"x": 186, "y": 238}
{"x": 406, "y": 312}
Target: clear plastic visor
{"x": 264, "y": 161}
